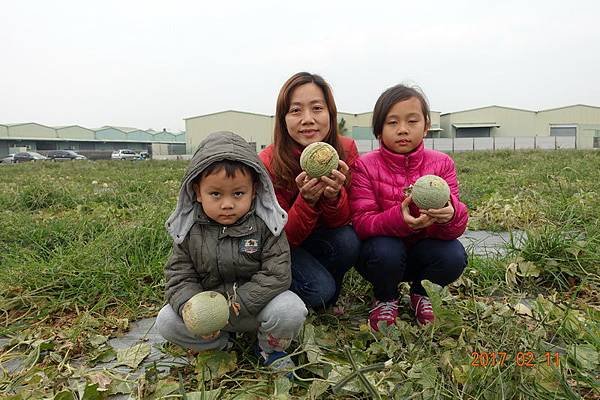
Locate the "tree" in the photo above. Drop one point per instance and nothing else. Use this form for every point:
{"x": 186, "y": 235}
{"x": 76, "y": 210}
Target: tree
{"x": 342, "y": 130}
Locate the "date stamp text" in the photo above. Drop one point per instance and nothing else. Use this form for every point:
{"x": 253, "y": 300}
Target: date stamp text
{"x": 529, "y": 359}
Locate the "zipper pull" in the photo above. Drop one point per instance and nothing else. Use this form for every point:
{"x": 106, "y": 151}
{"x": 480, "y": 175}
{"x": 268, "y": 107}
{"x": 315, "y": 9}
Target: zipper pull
{"x": 232, "y": 300}
{"x": 235, "y": 286}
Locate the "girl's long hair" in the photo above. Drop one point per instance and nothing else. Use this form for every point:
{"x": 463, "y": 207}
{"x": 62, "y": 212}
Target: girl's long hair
{"x": 284, "y": 163}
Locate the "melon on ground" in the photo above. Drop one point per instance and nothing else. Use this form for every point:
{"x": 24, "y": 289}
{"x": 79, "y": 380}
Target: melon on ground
{"x": 319, "y": 159}
{"x": 205, "y": 313}
{"x": 430, "y": 192}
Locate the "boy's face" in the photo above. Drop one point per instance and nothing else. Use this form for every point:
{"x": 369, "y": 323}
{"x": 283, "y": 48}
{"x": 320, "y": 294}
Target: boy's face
{"x": 225, "y": 199}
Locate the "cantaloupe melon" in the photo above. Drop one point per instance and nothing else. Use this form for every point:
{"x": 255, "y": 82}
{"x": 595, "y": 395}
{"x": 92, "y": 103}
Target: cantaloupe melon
{"x": 430, "y": 191}
{"x": 205, "y": 313}
{"x": 319, "y": 159}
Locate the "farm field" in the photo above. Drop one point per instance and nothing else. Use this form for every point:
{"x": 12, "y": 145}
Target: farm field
{"x": 82, "y": 250}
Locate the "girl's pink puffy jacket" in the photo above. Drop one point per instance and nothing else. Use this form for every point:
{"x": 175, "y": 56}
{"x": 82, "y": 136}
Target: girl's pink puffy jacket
{"x": 379, "y": 179}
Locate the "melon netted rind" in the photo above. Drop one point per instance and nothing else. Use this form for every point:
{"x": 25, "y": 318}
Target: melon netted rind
{"x": 430, "y": 192}
{"x": 205, "y": 313}
{"x": 319, "y": 159}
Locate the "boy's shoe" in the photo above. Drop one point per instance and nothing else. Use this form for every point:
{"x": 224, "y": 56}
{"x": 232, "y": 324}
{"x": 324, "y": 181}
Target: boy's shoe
{"x": 228, "y": 346}
{"x": 422, "y": 307}
{"x": 278, "y": 361}
{"x": 386, "y": 311}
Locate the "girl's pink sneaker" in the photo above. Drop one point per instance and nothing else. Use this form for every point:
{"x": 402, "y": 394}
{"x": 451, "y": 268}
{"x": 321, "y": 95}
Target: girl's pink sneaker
{"x": 386, "y": 311}
{"x": 422, "y": 307}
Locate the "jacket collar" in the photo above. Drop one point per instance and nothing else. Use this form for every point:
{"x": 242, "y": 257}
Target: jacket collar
{"x": 402, "y": 162}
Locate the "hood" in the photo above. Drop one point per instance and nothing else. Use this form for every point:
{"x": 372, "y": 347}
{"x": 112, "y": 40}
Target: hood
{"x": 220, "y": 146}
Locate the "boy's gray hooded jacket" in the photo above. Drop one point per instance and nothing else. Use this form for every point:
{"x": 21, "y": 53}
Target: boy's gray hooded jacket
{"x": 253, "y": 253}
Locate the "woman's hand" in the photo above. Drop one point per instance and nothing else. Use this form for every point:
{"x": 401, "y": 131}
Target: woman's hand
{"x": 335, "y": 181}
{"x": 311, "y": 189}
{"x": 416, "y": 224}
{"x": 440, "y": 215}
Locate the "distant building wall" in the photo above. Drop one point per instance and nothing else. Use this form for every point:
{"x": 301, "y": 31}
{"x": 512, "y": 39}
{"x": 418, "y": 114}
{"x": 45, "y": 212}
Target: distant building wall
{"x": 159, "y": 149}
{"x": 355, "y": 120}
{"x": 33, "y": 136}
{"x": 33, "y": 130}
{"x": 167, "y": 136}
{"x": 17, "y": 149}
{"x": 177, "y": 148}
{"x": 110, "y": 134}
{"x": 509, "y": 121}
{"x": 256, "y": 128}
{"x": 577, "y": 115}
{"x": 582, "y": 122}
{"x": 142, "y": 136}
{"x": 435, "y": 130}
{"x": 75, "y": 132}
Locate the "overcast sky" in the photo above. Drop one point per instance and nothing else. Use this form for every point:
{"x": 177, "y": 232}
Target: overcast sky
{"x": 149, "y": 64}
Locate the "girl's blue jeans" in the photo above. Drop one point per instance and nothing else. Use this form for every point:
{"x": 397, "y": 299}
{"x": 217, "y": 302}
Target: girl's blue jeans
{"x": 386, "y": 261}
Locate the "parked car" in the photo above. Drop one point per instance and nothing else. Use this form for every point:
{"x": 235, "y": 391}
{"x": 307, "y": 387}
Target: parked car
{"x": 124, "y": 154}
{"x": 8, "y": 159}
{"x": 60, "y": 155}
{"x": 29, "y": 156}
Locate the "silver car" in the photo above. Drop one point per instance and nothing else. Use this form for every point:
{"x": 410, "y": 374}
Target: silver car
{"x": 8, "y": 159}
{"x": 124, "y": 154}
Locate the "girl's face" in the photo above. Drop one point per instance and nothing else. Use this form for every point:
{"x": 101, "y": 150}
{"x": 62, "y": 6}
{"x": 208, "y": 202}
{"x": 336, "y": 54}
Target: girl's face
{"x": 307, "y": 119}
{"x": 404, "y": 127}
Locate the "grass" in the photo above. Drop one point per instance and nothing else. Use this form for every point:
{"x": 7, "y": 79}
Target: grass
{"x": 82, "y": 247}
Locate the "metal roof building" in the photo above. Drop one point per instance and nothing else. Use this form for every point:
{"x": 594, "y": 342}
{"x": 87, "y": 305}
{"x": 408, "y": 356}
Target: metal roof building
{"x": 580, "y": 121}
{"x": 101, "y": 141}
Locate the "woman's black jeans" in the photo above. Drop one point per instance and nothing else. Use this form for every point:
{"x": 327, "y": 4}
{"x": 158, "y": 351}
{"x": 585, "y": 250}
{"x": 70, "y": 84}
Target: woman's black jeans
{"x": 320, "y": 262}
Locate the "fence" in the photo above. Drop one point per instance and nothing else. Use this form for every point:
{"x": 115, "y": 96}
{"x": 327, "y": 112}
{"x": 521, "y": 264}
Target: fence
{"x": 487, "y": 143}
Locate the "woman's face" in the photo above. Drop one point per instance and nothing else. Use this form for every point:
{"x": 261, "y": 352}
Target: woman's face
{"x": 307, "y": 119}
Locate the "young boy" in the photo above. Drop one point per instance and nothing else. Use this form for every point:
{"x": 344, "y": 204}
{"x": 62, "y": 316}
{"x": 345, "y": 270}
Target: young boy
{"x": 228, "y": 237}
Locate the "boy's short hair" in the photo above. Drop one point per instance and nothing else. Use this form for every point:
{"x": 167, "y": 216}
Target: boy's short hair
{"x": 392, "y": 96}
{"x": 231, "y": 168}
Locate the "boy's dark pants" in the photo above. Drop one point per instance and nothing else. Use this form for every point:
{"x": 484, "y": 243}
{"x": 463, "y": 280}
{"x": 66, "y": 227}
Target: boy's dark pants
{"x": 386, "y": 261}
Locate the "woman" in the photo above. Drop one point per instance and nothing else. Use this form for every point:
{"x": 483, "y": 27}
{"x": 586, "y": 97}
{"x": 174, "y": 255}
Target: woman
{"x": 324, "y": 245}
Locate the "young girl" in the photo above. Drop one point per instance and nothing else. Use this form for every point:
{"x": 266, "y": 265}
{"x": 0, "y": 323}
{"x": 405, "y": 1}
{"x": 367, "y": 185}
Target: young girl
{"x": 323, "y": 244}
{"x": 403, "y": 243}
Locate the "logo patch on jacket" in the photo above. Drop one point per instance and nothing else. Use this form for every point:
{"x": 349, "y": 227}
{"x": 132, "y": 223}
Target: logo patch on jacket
{"x": 249, "y": 246}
